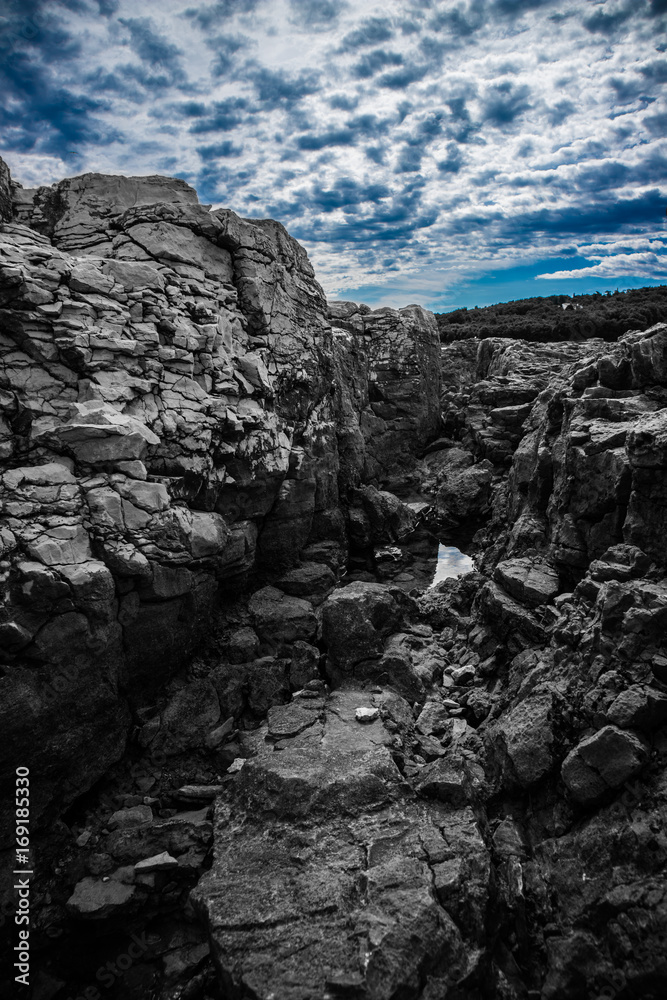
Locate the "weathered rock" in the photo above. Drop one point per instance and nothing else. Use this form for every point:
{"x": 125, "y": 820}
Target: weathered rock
{"x": 526, "y": 738}
{"x": 365, "y": 714}
{"x": 603, "y": 762}
{"x": 242, "y": 645}
{"x": 447, "y": 780}
{"x": 94, "y": 899}
{"x": 638, "y": 708}
{"x": 433, "y": 718}
{"x": 462, "y": 488}
{"x": 332, "y": 791}
{"x": 313, "y": 581}
{"x": 99, "y": 434}
{"x": 355, "y": 621}
{"x": 528, "y": 581}
{"x": 126, "y": 819}
{"x": 158, "y": 863}
{"x": 281, "y": 619}
{"x": 188, "y": 718}
{"x": 377, "y": 517}
{"x": 388, "y": 387}
{"x": 304, "y": 666}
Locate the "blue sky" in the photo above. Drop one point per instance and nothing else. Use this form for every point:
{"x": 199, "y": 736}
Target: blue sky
{"x": 447, "y": 152}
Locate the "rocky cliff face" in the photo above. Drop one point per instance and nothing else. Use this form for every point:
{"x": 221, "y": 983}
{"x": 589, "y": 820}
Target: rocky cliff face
{"x": 311, "y": 788}
{"x": 172, "y": 397}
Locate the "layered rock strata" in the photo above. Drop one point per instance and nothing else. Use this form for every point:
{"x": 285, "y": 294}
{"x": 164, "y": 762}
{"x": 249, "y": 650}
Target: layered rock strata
{"x": 171, "y": 403}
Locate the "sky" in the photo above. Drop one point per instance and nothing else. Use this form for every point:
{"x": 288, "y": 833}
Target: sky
{"x": 445, "y": 152}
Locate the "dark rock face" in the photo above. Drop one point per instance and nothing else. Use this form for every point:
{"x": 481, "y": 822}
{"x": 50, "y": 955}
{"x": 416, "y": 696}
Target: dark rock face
{"x": 389, "y": 386}
{"x": 5, "y": 192}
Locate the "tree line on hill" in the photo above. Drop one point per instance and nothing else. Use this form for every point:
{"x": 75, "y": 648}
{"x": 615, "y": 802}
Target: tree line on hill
{"x": 559, "y": 317}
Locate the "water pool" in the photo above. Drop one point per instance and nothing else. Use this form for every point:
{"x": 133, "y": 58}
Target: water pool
{"x": 451, "y": 562}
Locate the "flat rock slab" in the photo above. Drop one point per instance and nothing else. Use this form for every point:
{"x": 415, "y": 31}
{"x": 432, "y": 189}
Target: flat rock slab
{"x": 530, "y": 581}
{"x": 93, "y": 899}
{"x": 323, "y": 885}
{"x": 285, "y": 721}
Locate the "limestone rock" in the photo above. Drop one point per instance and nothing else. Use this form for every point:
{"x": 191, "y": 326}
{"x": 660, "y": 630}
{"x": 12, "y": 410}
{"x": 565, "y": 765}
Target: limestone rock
{"x": 98, "y": 433}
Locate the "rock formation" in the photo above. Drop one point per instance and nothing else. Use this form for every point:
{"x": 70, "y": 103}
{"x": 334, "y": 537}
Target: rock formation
{"x": 170, "y": 402}
{"x": 249, "y": 775}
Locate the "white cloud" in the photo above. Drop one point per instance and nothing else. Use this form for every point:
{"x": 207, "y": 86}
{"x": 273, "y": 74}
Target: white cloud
{"x": 640, "y": 265}
{"x": 506, "y": 144}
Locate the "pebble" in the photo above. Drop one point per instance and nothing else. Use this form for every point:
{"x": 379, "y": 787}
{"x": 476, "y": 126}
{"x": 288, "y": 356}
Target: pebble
{"x": 157, "y": 863}
{"x": 365, "y": 714}
{"x": 203, "y": 793}
{"x": 449, "y": 703}
{"x": 236, "y": 765}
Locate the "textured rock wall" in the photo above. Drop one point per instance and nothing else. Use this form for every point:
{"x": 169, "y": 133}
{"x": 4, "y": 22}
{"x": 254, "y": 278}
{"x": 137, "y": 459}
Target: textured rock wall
{"x": 5, "y": 192}
{"x": 573, "y": 697}
{"x": 389, "y": 384}
{"x": 170, "y": 407}
{"x": 588, "y": 470}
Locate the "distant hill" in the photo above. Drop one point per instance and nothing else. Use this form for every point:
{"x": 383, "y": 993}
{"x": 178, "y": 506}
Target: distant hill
{"x": 559, "y": 317}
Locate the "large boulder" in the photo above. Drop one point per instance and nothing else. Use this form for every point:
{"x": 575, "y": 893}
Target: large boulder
{"x": 530, "y": 581}
{"x": 603, "y": 762}
{"x": 356, "y": 619}
{"x": 278, "y": 618}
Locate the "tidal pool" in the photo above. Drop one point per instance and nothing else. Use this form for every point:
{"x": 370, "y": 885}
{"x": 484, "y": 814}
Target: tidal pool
{"x": 451, "y": 562}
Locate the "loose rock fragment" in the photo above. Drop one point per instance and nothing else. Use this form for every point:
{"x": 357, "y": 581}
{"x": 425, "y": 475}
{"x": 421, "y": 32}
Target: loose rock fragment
{"x": 366, "y": 714}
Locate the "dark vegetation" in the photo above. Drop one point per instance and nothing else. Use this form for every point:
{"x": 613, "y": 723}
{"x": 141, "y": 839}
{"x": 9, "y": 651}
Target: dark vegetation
{"x": 559, "y": 317}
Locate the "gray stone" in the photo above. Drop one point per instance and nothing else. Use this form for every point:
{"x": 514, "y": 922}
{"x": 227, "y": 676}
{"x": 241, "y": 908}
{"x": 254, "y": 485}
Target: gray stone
{"x": 158, "y": 863}
{"x": 281, "y": 619}
{"x": 125, "y": 819}
{"x": 365, "y": 714}
{"x": 602, "y": 762}
{"x": 528, "y": 580}
{"x": 94, "y": 899}
{"x": 355, "y": 621}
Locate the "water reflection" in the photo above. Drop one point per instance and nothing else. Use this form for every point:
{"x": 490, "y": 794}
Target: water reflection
{"x": 451, "y": 562}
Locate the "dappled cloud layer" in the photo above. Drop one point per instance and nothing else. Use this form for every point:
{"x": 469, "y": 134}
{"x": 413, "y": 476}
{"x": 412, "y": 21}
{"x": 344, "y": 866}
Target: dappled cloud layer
{"x": 381, "y": 135}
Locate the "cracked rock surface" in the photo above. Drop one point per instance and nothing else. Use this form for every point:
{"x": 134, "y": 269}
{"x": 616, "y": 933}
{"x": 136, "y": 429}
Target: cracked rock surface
{"x": 171, "y": 403}
{"x": 268, "y": 780}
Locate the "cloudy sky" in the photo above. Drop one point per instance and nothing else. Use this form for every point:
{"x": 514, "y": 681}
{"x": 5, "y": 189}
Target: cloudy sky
{"x": 448, "y": 152}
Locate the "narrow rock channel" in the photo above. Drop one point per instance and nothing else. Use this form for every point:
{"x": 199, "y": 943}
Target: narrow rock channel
{"x": 336, "y": 655}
